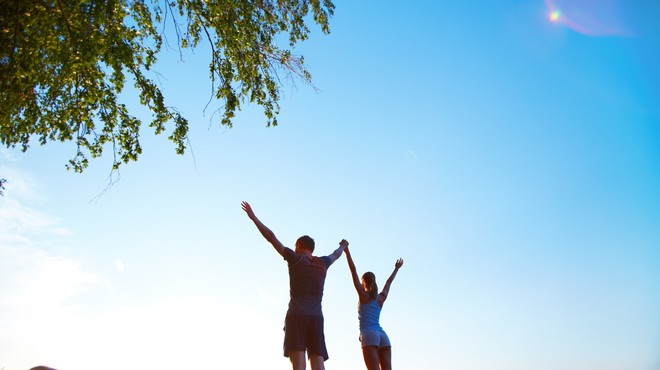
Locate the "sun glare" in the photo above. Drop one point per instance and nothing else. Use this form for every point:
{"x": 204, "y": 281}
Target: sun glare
{"x": 554, "y": 16}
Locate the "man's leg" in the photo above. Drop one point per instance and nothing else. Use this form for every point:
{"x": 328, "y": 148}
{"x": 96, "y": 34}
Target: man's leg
{"x": 316, "y": 350}
{"x": 298, "y": 360}
{"x": 317, "y": 362}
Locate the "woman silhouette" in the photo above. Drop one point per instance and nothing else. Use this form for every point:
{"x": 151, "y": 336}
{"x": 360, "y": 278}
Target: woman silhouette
{"x": 376, "y": 347}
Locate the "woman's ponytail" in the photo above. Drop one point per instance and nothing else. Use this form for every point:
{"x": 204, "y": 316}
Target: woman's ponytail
{"x": 370, "y": 279}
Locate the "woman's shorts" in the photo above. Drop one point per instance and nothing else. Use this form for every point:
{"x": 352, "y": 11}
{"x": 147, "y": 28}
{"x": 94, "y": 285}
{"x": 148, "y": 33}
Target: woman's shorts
{"x": 304, "y": 333}
{"x": 376, "y": 338}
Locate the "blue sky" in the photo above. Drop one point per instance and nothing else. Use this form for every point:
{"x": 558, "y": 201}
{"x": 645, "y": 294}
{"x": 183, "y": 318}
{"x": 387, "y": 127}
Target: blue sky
{"x": 511, "y": 160}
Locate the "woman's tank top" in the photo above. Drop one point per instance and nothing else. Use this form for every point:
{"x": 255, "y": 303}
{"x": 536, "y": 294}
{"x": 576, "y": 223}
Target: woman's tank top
{"x": 369, "y": 315}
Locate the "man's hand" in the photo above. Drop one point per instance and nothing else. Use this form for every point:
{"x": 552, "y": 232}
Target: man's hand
{"x": 265, "y": 232}
{"x": 246, "y": 207}
{"x": 343, "y": 243}
{"x": 398, "y": 263}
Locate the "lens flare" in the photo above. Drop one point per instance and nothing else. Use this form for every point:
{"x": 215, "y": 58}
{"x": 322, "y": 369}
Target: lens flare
{"x": 589, "y": 17}
{"x": 554, "y": 16}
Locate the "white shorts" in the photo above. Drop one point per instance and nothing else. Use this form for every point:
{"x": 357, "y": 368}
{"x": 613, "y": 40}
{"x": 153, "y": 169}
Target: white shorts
{"x": 376, "y": 338}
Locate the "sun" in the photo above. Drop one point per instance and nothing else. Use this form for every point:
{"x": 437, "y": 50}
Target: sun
{"x": 554, "y": 16}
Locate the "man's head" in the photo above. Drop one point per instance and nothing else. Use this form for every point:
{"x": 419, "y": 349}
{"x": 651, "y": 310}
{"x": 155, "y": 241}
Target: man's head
{"x": 305, "y": 242}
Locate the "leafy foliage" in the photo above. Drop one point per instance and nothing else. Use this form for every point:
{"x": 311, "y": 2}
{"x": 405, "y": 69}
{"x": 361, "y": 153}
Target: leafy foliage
{"x": 63, "y": 64}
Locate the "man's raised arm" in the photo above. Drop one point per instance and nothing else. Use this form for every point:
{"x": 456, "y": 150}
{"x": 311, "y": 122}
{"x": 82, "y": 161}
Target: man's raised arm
{"x": 337, "y": 253}
{"x": 265, "y": 231}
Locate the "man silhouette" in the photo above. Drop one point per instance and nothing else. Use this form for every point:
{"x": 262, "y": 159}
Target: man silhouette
{"x": 303, "y": 325}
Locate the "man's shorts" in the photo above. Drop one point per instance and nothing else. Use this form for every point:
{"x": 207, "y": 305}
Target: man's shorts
{"x": 304, "y": 333}
{"x": 376, "y": 338}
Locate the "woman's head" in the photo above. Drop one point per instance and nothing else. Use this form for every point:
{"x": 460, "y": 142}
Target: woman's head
{"x": 369, "y": 284}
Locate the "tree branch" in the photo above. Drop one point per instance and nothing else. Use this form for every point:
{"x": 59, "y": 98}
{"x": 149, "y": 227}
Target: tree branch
{"x": 15, "y": 49}
{"x": 64, "y": 18}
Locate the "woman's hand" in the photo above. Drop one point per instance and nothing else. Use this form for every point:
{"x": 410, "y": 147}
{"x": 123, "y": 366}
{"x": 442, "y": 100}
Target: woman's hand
{"x": 246, "y": 207}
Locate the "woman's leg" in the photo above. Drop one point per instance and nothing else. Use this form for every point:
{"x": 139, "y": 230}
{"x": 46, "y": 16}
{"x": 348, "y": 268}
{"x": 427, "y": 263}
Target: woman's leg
{"x": 385, "y": 358}
{"x": 370, "y": 354}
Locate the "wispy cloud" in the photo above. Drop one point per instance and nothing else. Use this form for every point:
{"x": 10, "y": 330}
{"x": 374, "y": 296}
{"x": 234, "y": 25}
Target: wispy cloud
{"x": 50, "y": 313}
{"x": 20, "y": 184}
{"x": 21, "y": 223}
{"x": 37, "y": 281}
{"x": 120, "y": 265}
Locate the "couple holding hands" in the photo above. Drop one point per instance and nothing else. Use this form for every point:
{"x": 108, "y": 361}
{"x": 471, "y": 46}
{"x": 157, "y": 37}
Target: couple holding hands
{"x": 303, "y": 327}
